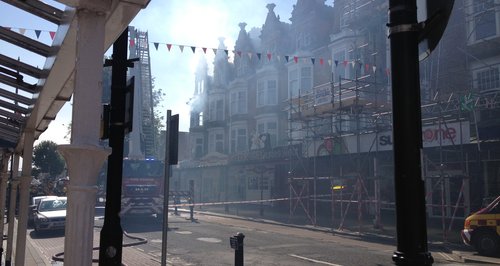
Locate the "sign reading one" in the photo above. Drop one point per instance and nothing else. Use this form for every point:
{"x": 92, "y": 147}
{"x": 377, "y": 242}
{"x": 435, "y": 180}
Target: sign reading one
{"x": 432, "y": 136}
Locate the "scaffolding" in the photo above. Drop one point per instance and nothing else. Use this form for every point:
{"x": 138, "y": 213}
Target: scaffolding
{"x": 353, "y": 108}
{"x": 319, "y": 120}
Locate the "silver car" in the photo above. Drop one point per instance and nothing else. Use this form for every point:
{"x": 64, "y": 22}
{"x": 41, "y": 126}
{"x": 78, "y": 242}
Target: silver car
{"x": 35, "y": 201}
{"x": 51, "y": 214}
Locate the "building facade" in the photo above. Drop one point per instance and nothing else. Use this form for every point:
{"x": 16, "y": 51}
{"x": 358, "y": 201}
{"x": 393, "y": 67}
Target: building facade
{"x": 306, "y": 106}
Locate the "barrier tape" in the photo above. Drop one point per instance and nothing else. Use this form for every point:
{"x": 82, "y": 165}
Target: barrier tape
{"x": 262, "y": 201}
{"x": 318, "y": 198}
{"x": 227, "y": 202}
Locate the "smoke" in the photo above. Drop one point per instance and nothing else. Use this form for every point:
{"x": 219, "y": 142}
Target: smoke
{"x": 197, "y": 23}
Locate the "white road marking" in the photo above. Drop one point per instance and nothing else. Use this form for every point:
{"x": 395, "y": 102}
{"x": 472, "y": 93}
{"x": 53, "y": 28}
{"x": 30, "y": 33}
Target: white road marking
{"x": 445, "y": 256}
{"x": 281, "y": 246}
{"x": 183, "y": 232}
{"x": 313, "y": 260}
{"x": 154, "y": 254}
{"x": 155, "y": 240}
{"x": 209, "y": 239}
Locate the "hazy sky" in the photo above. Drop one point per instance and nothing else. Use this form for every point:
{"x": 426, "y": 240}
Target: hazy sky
{"x": 183, "y": 22}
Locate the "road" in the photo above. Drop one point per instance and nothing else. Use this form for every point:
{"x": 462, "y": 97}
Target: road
{"x": 206, "y": 242}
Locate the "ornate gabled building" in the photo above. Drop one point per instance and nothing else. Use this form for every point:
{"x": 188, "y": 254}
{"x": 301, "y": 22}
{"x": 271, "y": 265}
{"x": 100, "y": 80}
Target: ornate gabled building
{"x": 482, "y": 54}
{"x": 199, "y": 110}
{"x": 306, "y": 106}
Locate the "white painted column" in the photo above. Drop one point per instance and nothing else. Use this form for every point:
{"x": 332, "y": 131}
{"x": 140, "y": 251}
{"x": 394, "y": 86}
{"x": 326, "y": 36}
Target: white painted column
{"x": 24, "y": 190}
{"x": 3, "y": 191}
{"x": 84, "y": 156}
{"x": 84, "y": 163}
{"x": 12, "y": 209}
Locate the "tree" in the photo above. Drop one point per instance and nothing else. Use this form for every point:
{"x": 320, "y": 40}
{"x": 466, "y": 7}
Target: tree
{"x": 47, "y": 159}
{"x": 158, "y": 117}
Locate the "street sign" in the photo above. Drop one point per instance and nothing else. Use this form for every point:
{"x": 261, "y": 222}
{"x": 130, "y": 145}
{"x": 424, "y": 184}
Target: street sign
{"x": 466, "y": 103}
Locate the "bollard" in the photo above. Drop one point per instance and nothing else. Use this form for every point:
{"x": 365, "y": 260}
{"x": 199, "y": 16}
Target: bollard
{"x": 176, "y": 201}
{"x": 191, "y": 209}
{"x": 236, "y": 243}
{"x": 191, "y": 199}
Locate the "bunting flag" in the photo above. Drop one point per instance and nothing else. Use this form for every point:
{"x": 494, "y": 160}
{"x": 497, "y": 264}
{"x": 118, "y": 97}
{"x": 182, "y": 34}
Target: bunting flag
{"x": 52, "y": 34}
{"x": 269, "y": 55}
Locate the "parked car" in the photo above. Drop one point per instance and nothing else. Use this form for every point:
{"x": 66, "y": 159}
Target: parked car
{"x": 33, "y": 207}
{"x": 50, "y": 214}
{"x": 482, "y": 229}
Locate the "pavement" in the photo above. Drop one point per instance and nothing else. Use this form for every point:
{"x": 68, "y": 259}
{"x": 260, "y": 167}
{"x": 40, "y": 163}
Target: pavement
{"x": 132, "y": 255}
{"x": 42, "y": 253}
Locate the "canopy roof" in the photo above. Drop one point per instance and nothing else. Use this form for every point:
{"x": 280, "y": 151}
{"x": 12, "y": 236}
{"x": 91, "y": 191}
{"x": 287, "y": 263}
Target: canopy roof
{"x": 33, "y": 105}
